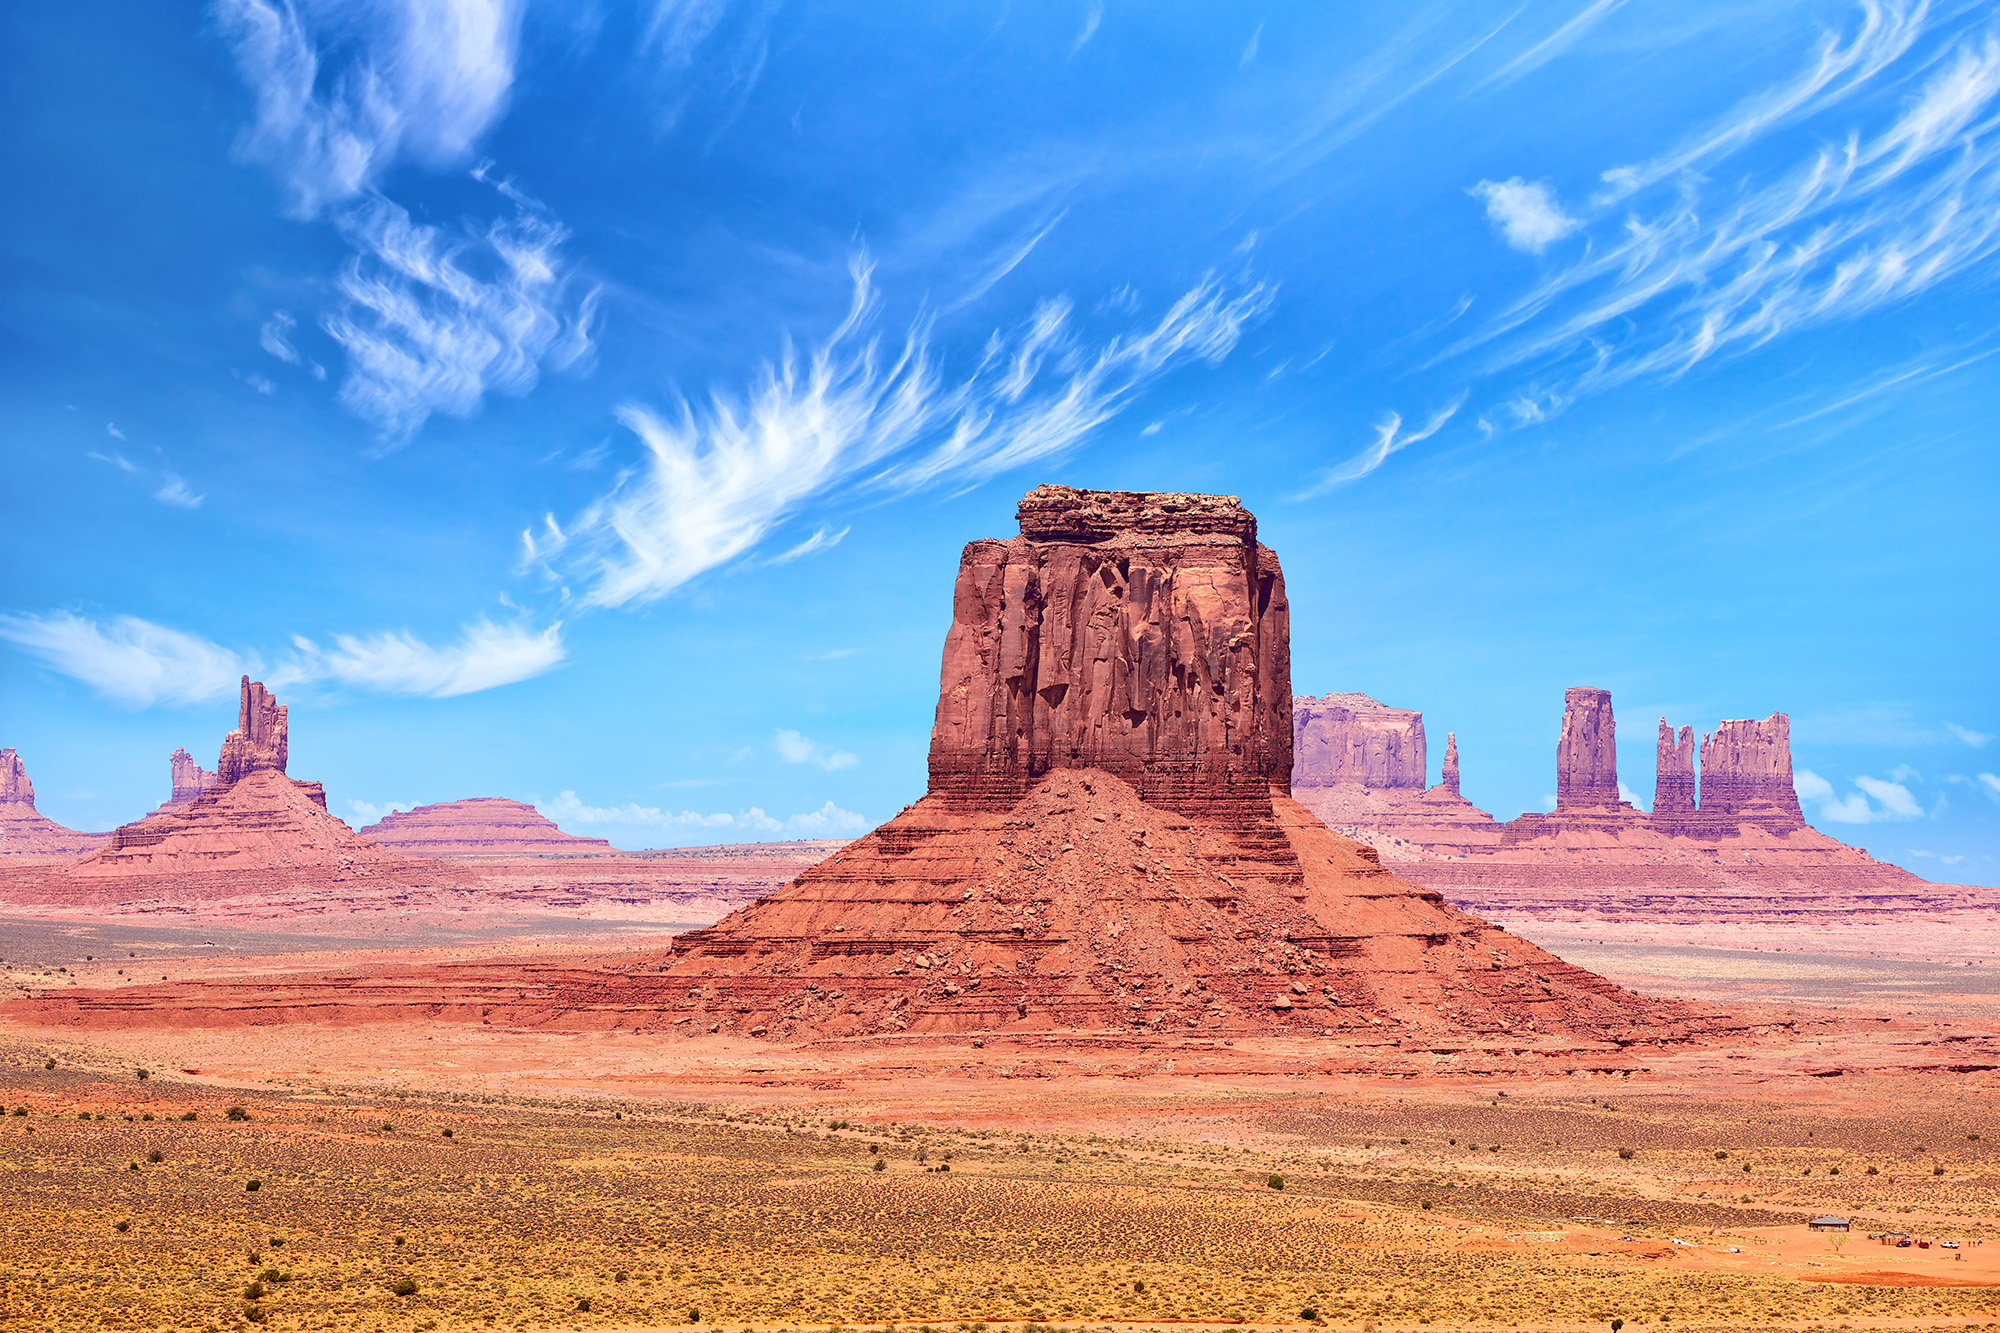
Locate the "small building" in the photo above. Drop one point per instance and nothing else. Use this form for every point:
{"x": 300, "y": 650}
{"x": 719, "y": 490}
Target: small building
{"x": 1828, "y": 1224}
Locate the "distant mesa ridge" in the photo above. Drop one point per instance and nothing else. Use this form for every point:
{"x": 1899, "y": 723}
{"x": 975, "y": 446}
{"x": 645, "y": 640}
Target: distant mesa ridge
{"x": 480, "y": 826}
{"x": 26, "y": 831}
{"x": 190, "y": 779}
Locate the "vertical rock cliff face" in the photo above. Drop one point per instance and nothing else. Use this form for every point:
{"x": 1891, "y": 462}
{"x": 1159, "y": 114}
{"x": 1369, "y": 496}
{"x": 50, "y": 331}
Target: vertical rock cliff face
{"x": 190, "y": 779}
{"x": 1143, "y": 635}
{"x": 258, "y": 743}
{"x": 1339, "y": 738}
{"x": 26, "y": 831}
{"x": 1449, "y": 780}
{"x": 1673, "y": 782}
{"x": 1586, "y": 753}
{"x": 1746, "y": 776}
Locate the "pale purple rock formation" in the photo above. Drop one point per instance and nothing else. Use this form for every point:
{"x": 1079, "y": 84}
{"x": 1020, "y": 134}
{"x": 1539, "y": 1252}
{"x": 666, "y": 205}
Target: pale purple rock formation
{"x": 190, "y": 778}
{"x": 1586, "y": 753}
{"x": 1343, "y": 739}
{"x": 1746, "y": 776}
{"x": 1673, "y": 783}
{"x": 1449, "y": 781}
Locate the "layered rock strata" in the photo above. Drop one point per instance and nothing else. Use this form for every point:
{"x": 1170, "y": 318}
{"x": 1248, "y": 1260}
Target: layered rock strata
{"x": 1587, "y": 752}
{"x": 481, "y": 826}
{"x": 1107, "y": 847}
{"x": 26, "y": 831}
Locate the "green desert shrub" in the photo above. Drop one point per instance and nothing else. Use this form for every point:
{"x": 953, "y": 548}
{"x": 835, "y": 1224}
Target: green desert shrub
{"x": 404, "y": 1287}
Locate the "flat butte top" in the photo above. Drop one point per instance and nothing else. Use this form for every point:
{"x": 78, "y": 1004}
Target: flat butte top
{"x": 1134, "y": 518}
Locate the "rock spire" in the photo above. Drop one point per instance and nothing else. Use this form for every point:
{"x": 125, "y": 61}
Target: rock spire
{"x": 259, "y": 741}
{"x": 1673, "y": 783}
{"x": 1587, "y": 752}
{"x": 1746, "y": 775}
{"x": 1449, "y": 779}
{"x": 190, "y": 779}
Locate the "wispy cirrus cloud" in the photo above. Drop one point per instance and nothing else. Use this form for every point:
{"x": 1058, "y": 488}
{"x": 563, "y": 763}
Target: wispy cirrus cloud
{"x": 856, "y": 415}
{"x": 345, "y": 90}
{"x": 1727, "y": 263}
{"x": 1976, "y": 739}
{"x": 1390, "y": 438}
{"x": 433, "y": 322}
{"x": 139, "y": 663}
{"x": 828, "y": 821}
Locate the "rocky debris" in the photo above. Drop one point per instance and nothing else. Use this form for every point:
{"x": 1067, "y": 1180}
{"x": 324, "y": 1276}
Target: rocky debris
{"x": 1673, "y": 783}
{"x": 1350, "y": 738}
{"x": 1449, "y": 779}
{"x": 1746, "y": 776}
{"x": 190, "y": 779}
{"x": 481, "y": 826}
{"x": 259, "y": 741}
{"x": 26, "y": 831}
{"x": 1586, "y": 752}
{"x": 1144, "y": 635}
{"x": 1106, "y": 848}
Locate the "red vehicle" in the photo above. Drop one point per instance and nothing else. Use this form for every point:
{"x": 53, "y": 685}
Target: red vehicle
{"x": 1923, "y": 1245}
{"x": 1903, "y": 1244}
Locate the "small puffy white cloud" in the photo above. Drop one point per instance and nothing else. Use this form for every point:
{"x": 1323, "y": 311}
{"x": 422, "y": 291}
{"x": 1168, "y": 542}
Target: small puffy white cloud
{"x": 1525, "y": 212}
{"x": 1626, "y": 794}
{"x": 566, "y": 809}
{"x": 1991, "y": 784}
{"x": 130, "y": 660}
{"x": 1976, "y": 739}
{"x": 1892, "y": 800}
{"x": 794, "y": 748}
{"x": 486, "y": 655}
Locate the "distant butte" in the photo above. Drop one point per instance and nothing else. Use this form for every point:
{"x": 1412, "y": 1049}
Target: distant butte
{"x": 26, "y": 831}
{"x": 1108, "y": 846}
{"x": 481, "y": 826}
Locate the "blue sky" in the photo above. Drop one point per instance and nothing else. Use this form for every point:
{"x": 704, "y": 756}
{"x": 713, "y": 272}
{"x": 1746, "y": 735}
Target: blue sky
{"x": 586, "y": 403}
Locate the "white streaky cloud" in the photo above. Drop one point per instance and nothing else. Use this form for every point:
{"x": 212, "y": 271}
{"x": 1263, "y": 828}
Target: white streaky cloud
{"x": 819, "y": 541}
{"x": 1724, "y": 263}
{"x": 1390, "y": 438}
{"x": 1554, "y": 44}
{"x": 432, "y": 323}
{"x": 111, "y": 429}
{"x": 1249, "y": 56}
{"x": 344, "y": 91}
{"x": 486, "y": 656}
{"x": 795, "y": 748}
{"x": 131, "y": 661}
{"x": 275, "y": 337}
{"x": 1093, "y": 17}
{"x": 117, "y": 460}
{"x": 1526, "y": 213}
{"x": 1976, "y": 739}
{"x": 566, "y": 809}
{"x": 718, "y": 478}
{"x": 177, "y": 494}
{"x": 1991, "y": 783}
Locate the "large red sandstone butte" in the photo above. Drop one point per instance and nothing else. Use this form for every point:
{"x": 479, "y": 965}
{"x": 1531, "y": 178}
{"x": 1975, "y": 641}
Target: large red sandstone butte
{"x": 1107, "y": 847}
{"x": 26, "y": 831}
{"x": 480, "y": 826}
